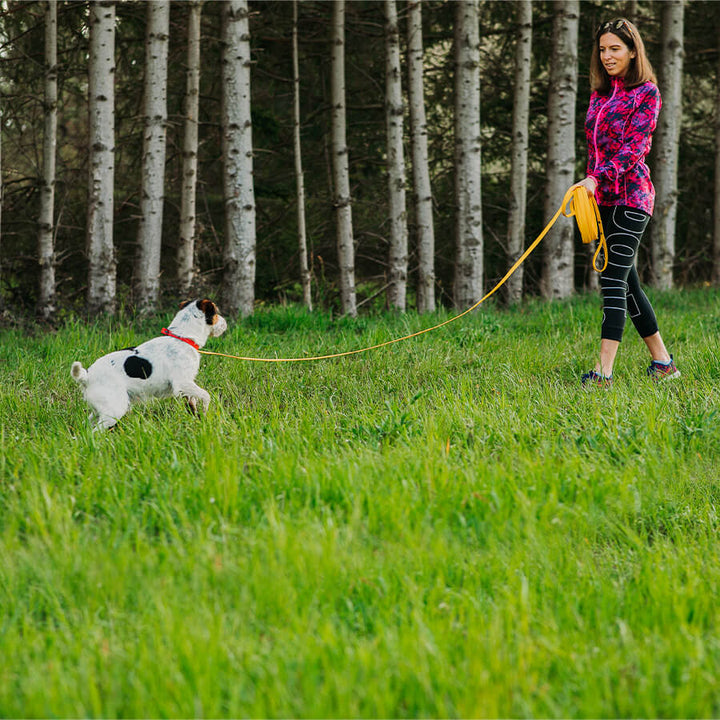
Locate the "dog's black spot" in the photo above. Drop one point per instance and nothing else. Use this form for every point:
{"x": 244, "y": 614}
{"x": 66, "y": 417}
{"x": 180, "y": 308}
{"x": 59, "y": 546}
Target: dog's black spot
{"x": 138, "y": 367}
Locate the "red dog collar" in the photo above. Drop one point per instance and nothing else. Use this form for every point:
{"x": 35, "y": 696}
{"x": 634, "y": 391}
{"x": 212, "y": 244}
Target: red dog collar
{"x": 190, "y": 342}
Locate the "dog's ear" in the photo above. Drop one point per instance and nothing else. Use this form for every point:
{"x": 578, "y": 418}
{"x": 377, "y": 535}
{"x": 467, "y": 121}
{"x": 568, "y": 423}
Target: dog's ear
{"x": 185, "y": 303}
{"x": 210, "y": 310}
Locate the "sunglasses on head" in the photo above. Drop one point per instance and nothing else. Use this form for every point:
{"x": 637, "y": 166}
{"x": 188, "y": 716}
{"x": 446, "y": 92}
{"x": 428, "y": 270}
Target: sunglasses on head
{"x": 613, "y": 25}
{"x": 618, "y": 25}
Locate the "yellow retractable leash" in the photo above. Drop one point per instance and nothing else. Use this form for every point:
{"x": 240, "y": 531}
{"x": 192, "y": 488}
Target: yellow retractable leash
{"x": 577, "y": 203}
{"x": 587, "y": 215}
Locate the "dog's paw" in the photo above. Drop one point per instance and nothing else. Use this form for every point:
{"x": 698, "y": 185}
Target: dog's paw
{"x": 197, "y": 406}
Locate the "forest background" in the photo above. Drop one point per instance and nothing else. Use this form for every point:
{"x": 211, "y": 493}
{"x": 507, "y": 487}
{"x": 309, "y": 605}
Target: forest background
{"x": 23, "y": 73}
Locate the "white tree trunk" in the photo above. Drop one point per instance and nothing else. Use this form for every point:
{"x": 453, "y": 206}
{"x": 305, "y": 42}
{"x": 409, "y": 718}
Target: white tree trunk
{"x": 519, "y": 148}
{"x": 558, "y": 267}
{"x": 152, "y": 194}
{"x": 240, "y": 239}
{"x": 46, "y": 224}
{"x": 101, "y": 144}
{"x": 397, "y": 181}
{"x": 468, "y": 284}
{"x": 716, "y": 230}
{"x": 667, "y": 137}
{"x": 421, "y": 172}
{"x": 186, "y": 247}
{"x": 340, "y": 167}
{"x": 299, "y": 176}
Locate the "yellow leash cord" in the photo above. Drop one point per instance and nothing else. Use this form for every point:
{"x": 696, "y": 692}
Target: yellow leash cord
{"x": 582, "y": 207}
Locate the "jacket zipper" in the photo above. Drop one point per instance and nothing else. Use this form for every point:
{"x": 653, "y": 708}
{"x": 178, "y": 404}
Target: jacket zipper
{"x": 597, "y": 121}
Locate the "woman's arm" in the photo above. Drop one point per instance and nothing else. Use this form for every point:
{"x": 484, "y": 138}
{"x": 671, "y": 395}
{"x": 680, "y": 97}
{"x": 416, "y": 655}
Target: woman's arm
{"x": 636, "y": 139}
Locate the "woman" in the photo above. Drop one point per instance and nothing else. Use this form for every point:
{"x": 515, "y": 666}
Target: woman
{"x": 621, "y": 118}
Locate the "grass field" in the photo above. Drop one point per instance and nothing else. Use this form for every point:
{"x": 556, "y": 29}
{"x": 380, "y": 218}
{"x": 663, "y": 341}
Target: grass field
{"x": 447, "y": 527}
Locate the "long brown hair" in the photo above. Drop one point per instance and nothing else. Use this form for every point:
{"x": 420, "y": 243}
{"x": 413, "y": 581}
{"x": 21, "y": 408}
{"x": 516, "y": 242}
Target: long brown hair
{"x": 640, "y": 70}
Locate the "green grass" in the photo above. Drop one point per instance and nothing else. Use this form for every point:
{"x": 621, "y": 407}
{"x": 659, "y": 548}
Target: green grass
{"x": 447, "y": 527}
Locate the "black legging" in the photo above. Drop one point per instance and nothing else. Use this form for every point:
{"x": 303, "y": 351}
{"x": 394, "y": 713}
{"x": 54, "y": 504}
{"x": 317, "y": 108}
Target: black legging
{"x": 620, "y": 284}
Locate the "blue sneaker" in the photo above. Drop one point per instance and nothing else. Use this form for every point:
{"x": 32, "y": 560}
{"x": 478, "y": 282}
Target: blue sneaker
{"x": 592, "y": 379}
{"x": 661, "y": 371}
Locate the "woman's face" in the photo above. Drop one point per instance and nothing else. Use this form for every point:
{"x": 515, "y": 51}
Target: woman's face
{"x": 615, "y": 55}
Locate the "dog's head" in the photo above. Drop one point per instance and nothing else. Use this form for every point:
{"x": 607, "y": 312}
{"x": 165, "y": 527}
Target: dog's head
{"x": 198, "y": 320}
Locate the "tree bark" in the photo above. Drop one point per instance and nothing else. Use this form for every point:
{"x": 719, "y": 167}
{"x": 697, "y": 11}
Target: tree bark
{"x": 667, "y": 138}
{"x": 341, "y": 171}
{"x": 101, "y": 100}
{"x": 46, "y": 224}
{"x": 421, "y": 171}
{"x": 468, "y": 282}
{"x": 397, "y": 180}
{"x": 239, "y": 191}
{"x": 519, "y": 151}
{"x": 186, "y": 248}
{"x": 152, "y": 196}
{"x": 558, "y": 267}
{"x": 299, "y": 176}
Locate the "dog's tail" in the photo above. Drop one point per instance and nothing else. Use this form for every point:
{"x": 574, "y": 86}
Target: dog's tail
{"x": 79, "y": 373}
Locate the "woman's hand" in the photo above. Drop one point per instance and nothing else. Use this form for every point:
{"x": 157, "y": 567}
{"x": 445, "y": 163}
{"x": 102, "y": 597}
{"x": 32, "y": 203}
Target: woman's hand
{"x": 589, "y": 183}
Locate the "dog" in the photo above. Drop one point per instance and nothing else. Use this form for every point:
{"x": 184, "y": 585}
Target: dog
{"x": 162, "y": 367}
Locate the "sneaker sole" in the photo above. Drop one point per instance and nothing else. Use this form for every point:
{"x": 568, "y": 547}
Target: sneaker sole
{"x": 671, "y": 376}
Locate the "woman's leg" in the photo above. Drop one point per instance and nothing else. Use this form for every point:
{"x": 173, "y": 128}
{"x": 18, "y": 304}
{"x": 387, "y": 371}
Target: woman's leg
{"x": 643, "y": 317}
{"x": 657, "y": 348}
{"x": 619, "y": 281}
{"x": 623, "y": 229}
{"x": 608, "y": 351}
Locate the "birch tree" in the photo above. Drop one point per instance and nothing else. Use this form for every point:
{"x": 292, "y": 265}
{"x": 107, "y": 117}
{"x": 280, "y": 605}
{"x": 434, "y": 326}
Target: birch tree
{"x": 468, "y": 281}
{"x": 340, "y": 166}
{"x": 667, "y": 137}
{"x": 46, "y": 223}
{"x": 101, "y": 143}
{"x": 519, "y": 148}
{"x": 186, "y": 247}
{"x": 716, "y": 230}
{"x": 152, "y": 194}
{"x": 240, "y": 240}
{"x": 299, "y": 176}
{"x": 398, "y": 260}
{"x": 558, "y": 266}
{"x": 420, "y": 169}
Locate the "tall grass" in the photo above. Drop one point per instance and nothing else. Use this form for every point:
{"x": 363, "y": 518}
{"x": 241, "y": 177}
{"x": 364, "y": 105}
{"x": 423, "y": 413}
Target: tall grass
{"x": 446, "y": 527}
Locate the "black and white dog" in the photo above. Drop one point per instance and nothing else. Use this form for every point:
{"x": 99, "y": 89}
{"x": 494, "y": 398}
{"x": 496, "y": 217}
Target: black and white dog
{"x": 162, "y": 367}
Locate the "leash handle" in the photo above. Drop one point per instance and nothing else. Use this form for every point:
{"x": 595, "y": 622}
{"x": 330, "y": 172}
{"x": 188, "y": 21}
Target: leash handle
{"x": 578, "y": 203}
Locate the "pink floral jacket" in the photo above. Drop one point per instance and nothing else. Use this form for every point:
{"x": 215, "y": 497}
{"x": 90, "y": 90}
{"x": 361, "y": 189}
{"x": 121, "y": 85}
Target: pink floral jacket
{"x": 619, "y": 129}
